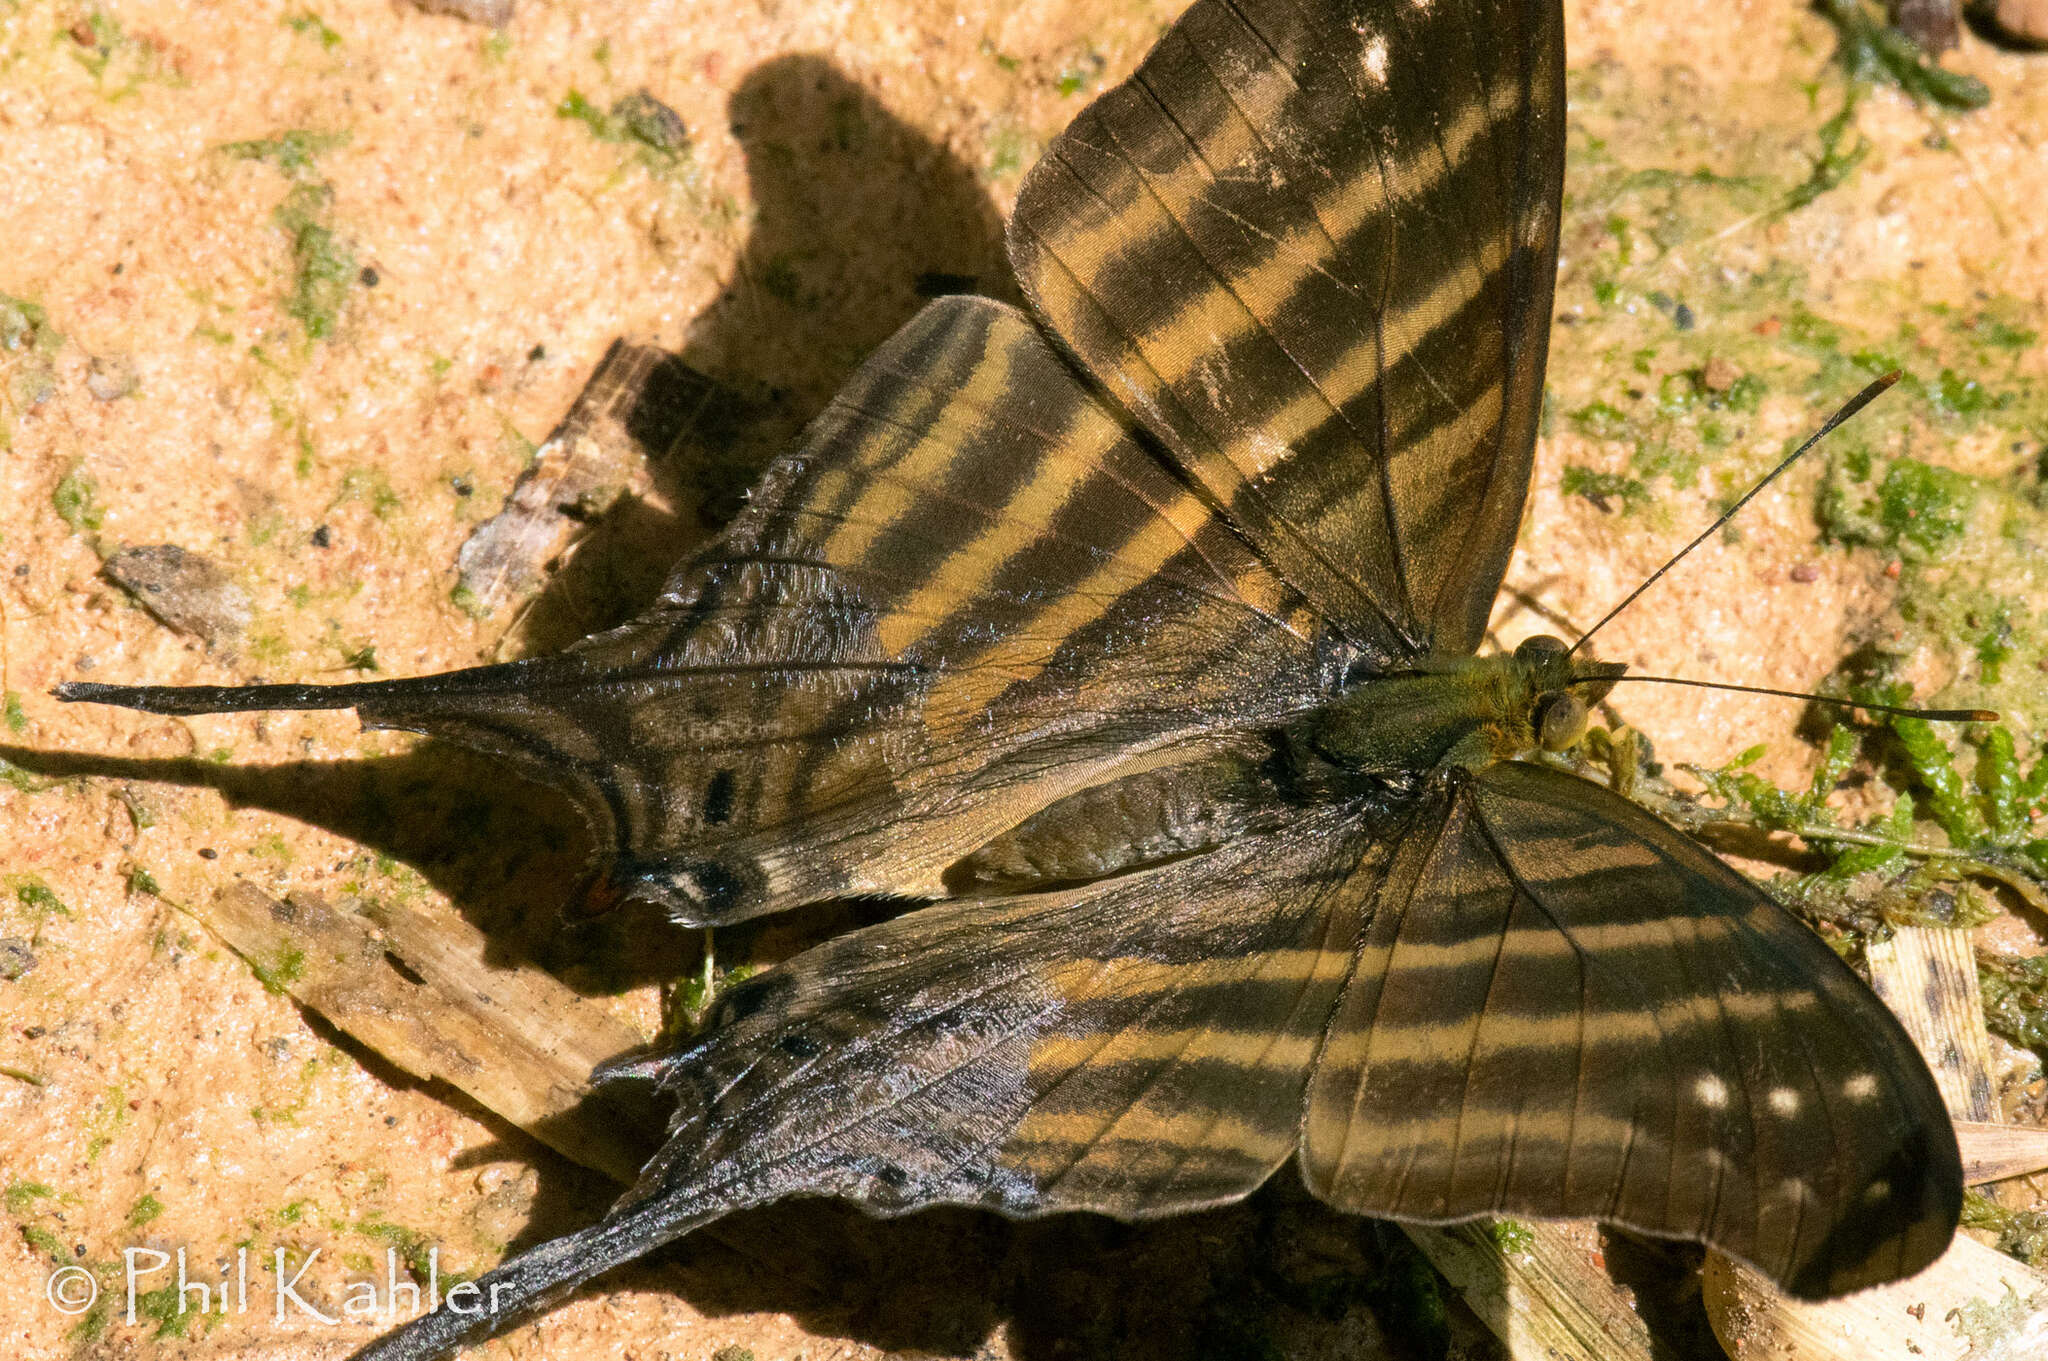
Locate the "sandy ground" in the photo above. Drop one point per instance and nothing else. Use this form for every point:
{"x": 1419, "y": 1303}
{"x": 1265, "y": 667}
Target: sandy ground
{"x": 473, "y": 252}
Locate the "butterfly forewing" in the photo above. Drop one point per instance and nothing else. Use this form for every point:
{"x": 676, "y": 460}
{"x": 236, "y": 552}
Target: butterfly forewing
{"x": 1312, "y": 248}
{"x": 969, "y": 591}
{"x": 1564, "y": 1008}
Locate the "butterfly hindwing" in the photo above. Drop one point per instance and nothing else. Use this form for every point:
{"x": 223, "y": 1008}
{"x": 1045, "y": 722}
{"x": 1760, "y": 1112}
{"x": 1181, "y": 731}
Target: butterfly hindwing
{"x": 1564, "y": 1008}
{"x": 1312, "y": 248}
{"x": 1136, "y": 1047}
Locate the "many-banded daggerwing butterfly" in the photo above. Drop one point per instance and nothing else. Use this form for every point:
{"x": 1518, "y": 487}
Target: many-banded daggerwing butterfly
{"x": 1137, "y": 634}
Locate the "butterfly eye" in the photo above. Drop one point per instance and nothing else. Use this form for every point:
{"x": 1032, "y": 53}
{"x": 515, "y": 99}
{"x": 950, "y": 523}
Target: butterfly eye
{"x": 1539, "y": 647}
{"x": 1561, "y": 722}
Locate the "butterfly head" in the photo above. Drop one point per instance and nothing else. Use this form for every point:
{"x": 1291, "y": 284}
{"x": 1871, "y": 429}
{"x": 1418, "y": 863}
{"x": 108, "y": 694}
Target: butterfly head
{"x": 1463, "y": 711}
{"x": 1562, "y": 687}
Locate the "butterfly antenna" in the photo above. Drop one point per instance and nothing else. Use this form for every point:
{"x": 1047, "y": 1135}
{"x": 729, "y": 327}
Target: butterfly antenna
{"x": 1849, "y": 409}
{"x": 1933, "y": 715}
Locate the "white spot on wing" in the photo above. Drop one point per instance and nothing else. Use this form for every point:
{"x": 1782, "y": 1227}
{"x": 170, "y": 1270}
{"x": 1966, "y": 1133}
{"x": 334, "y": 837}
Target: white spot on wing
{"x": 1878, "y": 1190}
{"x": 1784, "y": 1101}
{"x": 1711, "y": 1091}
{"x": 1862, "y": 1087}
{"x": 1376, "y": 59}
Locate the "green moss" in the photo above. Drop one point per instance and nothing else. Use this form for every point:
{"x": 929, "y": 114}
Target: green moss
{"x": 468, "y": 601}
{"x": 20, "y": 1197}
{"x": 165, "y": 1308}
{"x": 272, "y": 846}
{"x": 1871, "y": 51}
{"x": 1955, "y": 395}
{"x": 75, "y": 498}
{"x": 1006, "y": 149}
{"x": 657, "y": 137}
{"x": 40, "y": 1239}
{"x": 118, "y": 63}
{"x": 268, "y": 648}
{"x": 38, "y": 898}
{"x": 1511, "y": 1236}
{"x": 414, "y": 1248}
{"x": 1746, "y": 393}
{"x": 21, "y": 781}
{"x": 92, "y": 1326}
{"x": 1597, "y": 486}
{"x": 1917, "y": 511}
{"x": 1997, "y": 334}
{"x": 310, "y": 25}
{"x": 25, "y": 328}
{"x": 12, "y": 714}
{"x": 2021, "y": 1233}
{"x": 110, "y": 1115}
{"x": 372, "y": 487}
{"x": 323, "y": 265}
{"x": 1600, "y": 420}
{"x": 293, "y": 151}
{"x": 278, "y": 975}
{"x": 1836, "y": 161}
{"x": 1924, "y": 506}
{"x": 2016, "y": 999}
{"x": 144, "y": 1210}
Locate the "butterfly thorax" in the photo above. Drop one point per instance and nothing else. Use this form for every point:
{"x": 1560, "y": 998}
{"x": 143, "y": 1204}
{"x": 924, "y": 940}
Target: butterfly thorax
{"x": 1442, "y": 712}
{"x": 1370, "y": 745}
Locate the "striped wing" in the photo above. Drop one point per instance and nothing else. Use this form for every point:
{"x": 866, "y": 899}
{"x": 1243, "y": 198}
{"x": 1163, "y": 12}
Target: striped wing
{"x": 1312, "y": 247}
{"x": 968, "y": 592}
{"x": 1137, "y": 1047}
{"x": 1564, "y": 1008}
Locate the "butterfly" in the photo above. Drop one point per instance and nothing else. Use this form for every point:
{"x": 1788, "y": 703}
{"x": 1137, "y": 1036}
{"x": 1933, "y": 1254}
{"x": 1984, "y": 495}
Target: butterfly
{"x": 1135, "y": 639}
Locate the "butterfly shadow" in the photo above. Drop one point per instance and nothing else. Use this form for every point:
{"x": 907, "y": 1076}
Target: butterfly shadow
{"x": 511, "y": 854}
{"x": 859, "y": 219}
{"x": 1278, "y": 1274}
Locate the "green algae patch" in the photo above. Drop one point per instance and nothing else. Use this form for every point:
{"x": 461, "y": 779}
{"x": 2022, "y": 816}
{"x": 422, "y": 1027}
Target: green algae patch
{"x": 323, "y": 263}
{"x": 1916, "y": 510}
{"x": 653, "y": 131}
{"x": 76, "y": 499}
{"x": 119, "y": 63}
{"x": 307, "y": 24}
{"x": 1689, "y": 355}
{"x": 28, "y": 346}
{"x": 279, "y": 974}
{"x": 292, "y": 151}
{"x": 1872, "y": 51}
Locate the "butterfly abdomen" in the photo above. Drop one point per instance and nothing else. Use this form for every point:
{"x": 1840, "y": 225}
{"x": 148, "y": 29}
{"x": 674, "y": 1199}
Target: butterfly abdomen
{"x": 1141, "y": 819}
